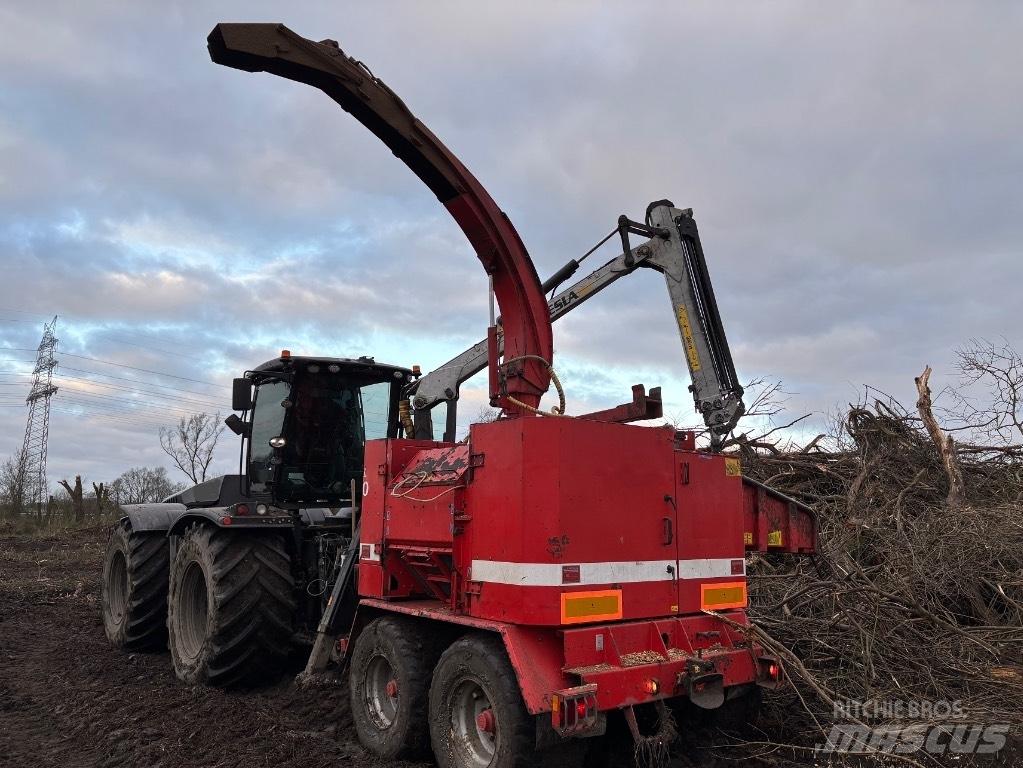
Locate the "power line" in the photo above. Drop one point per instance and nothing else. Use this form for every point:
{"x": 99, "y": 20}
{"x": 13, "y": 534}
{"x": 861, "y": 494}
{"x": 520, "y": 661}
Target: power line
{"x": 83, "y": 411}
{"x": 123, "y": 402}
{"x": 37, "y": 318}
{"x": 136, "y": 381}
{"x": 122, "y": 365}
{"x": 64, "y": 377}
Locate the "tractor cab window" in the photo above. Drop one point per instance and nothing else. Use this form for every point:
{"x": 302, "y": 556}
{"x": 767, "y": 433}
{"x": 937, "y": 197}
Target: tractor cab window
{"x": 267, "y": 423}
{"x": 376, "y": 405}
{"x": 330, "y": 419}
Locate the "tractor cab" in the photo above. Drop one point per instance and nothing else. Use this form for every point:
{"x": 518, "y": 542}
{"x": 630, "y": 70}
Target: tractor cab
{"x": 306, "y": 421}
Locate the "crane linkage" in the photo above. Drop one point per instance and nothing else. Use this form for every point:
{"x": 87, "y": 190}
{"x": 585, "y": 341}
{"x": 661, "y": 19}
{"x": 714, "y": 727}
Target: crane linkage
{"x": 674, "y": 250}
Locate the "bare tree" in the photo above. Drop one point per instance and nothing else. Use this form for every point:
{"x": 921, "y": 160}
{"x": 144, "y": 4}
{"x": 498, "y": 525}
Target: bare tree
{"x": 141, "y": 485}
{"x": 102, "y": 492}
{"x": 191, "y": 443}
{"x": 997, "y": 369}
{"x": 12, "y": 484}
{"x": 76, "y": 497}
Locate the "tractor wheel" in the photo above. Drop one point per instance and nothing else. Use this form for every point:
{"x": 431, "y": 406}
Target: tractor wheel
{"x": 231, "y": 607}
{"x": 477, "y": 716}
{"x": 389, "y": 684}
{"x": 134, "y": 595}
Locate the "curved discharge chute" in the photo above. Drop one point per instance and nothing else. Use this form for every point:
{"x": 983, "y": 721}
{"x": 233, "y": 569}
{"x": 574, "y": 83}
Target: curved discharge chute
{"x": 525, "y": 316}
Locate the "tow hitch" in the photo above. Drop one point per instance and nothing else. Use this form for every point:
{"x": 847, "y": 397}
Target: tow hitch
{"x": 705, "y": 686}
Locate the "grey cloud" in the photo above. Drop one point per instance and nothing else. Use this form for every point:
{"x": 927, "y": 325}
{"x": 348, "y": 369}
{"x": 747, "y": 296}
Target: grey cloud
{"x": 855, "y": 171}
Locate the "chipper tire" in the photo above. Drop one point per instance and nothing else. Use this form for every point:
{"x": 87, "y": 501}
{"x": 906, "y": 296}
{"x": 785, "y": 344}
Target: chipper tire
{"x": 134, "y": 593}
{"x": 231, "y": 607}
{"x": 474, "y": 677}
{"x": 389, "y": 683}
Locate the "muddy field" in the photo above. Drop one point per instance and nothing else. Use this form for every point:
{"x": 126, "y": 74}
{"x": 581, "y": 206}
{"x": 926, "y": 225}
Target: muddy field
{"x": 68, "y": 699}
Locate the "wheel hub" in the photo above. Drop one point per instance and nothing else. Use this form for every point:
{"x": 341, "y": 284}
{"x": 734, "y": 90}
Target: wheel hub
{"x": 117, "y": 588}
{"x": 485, "y": 721}
{"x": 193, "y": 612}
{"x": 474, "y": 724}
{"x": 381, "y": 692}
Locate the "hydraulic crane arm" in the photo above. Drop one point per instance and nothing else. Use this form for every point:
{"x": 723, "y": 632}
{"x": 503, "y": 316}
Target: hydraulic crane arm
{"x": 676, "y": 253}
{"x": 527, "y": 329}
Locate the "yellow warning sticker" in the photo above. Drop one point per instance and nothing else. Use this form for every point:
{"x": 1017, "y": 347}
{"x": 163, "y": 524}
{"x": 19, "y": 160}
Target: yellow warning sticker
{"x": 774, "y": 539}
{"x": 601, "y": 605}
{"x": 687, "y": 338}
{"x": 728, "y": 595}
{"x": 733, "y": 468}
{"x": 748, "y": 538}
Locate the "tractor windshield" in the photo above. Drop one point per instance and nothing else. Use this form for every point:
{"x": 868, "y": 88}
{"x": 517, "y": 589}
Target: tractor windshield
{"x": 324, "y": 420}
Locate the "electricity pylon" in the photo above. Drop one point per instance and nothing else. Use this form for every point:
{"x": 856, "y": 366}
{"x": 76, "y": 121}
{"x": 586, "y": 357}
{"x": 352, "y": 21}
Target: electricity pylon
{"x": 37, "y": 428}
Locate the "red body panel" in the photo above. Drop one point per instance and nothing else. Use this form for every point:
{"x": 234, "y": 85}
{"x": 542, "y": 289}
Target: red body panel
{"x": 593, "y": 549}
{"x": 556, "y": 493}
{"x": 775, "y": 523}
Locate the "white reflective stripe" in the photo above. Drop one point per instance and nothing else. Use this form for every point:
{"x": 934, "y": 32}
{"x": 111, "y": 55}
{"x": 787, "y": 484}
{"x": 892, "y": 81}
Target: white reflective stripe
{"x": 709, "y": 569}
{"x": 550, "y": 574}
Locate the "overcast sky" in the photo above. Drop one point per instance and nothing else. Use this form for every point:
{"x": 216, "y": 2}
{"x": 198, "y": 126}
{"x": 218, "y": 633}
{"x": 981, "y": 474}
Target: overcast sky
{"x": 855, "y": 169}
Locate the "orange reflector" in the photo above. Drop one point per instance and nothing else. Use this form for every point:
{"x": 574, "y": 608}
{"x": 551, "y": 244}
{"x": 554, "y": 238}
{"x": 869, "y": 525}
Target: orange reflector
{"x": 603, "y": 605}
{"x": 730, "y": 594}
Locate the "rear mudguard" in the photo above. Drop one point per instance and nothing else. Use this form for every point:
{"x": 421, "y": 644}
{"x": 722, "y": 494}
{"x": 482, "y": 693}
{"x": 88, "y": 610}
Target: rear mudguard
{"x": 152, "y": 517}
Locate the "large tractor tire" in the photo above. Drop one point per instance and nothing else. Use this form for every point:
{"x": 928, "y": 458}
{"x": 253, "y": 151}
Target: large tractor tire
{"x": 477, "y": 716}
{"x": 389, "y": 683}
{"x": 134, "y": 594}
{"x": 231, "y": 607}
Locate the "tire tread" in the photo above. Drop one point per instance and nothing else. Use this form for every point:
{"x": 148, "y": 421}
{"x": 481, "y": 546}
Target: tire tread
{"x": 253, "y": 615}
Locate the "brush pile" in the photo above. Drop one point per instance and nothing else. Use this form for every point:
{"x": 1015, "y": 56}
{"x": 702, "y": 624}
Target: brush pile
{"x": 916, "y": 594}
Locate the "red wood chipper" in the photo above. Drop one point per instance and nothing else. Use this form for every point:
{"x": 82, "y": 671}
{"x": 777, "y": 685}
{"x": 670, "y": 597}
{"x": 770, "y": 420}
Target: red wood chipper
{"x": 497, "y": 598}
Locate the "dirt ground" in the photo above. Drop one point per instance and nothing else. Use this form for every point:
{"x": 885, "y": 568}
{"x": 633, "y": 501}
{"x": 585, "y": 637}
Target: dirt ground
{"x": 68, "y": 699}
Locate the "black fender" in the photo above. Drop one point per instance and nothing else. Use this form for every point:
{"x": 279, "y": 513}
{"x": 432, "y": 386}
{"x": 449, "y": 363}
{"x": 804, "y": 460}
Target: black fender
{"x": 152, "y": 517}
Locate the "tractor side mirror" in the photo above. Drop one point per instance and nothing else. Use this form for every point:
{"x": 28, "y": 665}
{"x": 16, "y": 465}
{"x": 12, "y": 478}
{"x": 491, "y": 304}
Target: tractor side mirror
{"x": 241, "y": 395}
{"x": 238, "y": 426}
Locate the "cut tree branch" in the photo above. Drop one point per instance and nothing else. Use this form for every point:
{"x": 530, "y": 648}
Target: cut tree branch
{"x": 943, "y": 442}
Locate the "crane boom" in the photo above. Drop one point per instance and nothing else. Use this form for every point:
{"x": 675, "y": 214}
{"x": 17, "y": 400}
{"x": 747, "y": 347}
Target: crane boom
{"x": 674, "y": 251}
